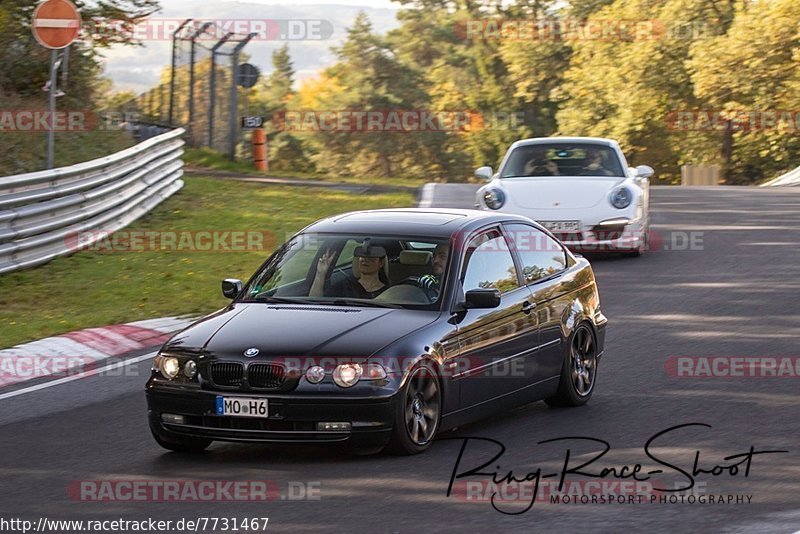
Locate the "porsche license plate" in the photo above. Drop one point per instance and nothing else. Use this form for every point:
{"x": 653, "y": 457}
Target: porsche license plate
{"x": 562, "y": 226}
{"x": 242, "y": 407}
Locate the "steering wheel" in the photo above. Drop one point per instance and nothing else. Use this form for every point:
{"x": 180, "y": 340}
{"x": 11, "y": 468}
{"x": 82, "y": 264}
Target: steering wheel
{"x": 405, "y": 293}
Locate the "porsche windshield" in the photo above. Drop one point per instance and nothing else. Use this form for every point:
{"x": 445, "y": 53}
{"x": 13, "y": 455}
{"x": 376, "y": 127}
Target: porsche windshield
{"x": 357, "y": 270}
{"x": 560, "y": 159}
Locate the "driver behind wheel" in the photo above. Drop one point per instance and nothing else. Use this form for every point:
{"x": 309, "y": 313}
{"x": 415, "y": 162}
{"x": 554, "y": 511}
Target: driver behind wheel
{"x": 432, "y": 283}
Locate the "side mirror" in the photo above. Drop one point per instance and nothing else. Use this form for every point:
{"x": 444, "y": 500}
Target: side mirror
{"x": 643, "y": 171}
{"x": 231, "y": 287}
{"x": 483, "y": 298}
{"x": 484, "y": 173}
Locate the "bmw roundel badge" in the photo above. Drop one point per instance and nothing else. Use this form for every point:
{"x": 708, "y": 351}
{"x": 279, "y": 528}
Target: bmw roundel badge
{"x": 251, "y": 352}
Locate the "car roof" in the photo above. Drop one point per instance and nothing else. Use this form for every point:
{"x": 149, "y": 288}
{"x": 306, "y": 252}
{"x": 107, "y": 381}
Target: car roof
{"x": 418, "y": 222}
{"x": 553, "y": 140}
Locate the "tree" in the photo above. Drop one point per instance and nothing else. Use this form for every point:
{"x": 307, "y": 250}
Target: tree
{"x": 277, "y": 89}
{"x": 25, "y": 61}
{"x": 753, "y": 67}
{"x": 370, "y": 77}
{"x": 626, "y": 86}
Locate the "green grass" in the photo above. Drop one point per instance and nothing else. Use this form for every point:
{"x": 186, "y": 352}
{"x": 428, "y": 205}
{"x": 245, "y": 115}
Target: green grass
{"x": 211, "y": 159}
{"x": 27, "y": 152}
{"x": 100, "y": 288}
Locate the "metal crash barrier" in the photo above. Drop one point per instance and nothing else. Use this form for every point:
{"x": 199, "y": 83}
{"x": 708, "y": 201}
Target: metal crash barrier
{"x": 791, "y": 178}
{"x": 43, "y": 213}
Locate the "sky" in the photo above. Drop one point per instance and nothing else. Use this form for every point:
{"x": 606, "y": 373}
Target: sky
{"x": 138, "y": 69}
{"x": 360, "y": 3}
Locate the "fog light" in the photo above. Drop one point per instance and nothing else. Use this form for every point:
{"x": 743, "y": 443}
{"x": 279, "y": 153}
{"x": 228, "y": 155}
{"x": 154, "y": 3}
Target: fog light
{"x": 315, "y": 374}
{"x": 173, "y": 419}
{"x": 334, "y": 427}
{"x": 190, "y": 369}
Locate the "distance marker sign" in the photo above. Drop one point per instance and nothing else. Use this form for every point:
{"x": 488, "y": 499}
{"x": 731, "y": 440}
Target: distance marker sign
{"x": 56, "y": 24}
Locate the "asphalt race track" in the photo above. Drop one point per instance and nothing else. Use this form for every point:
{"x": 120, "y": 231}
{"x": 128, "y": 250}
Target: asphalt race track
{"x": 724, "y": 282}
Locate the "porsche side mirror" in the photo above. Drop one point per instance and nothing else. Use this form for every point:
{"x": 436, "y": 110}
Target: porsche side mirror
{"x": 483, "y": 298}
{"x": 484, "y": 173}
{"x": 231, "y": 287}
{"x": 643, "y": 171}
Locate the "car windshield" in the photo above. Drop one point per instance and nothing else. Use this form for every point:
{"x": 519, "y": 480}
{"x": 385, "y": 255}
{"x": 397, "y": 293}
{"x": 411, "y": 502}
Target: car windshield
{"x": 562, "y": 159}
{"x": 353, "y": 270}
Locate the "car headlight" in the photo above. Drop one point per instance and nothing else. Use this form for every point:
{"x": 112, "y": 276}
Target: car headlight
{"x": 190, "y": 369}
{"x": 347, "y": 374}
{"x": 621, "y": 198}
{"x": 315, "y": 374}
{"x": 494, "y": 198}
{"x": 170, "y": 367}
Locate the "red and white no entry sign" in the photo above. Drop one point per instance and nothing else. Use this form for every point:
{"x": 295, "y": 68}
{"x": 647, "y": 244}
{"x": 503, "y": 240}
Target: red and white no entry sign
{"x": 56, "y": 23}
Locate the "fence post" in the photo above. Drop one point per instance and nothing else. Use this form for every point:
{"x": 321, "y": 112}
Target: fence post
{"x": 192, "y": 57}
{"x": 172, "y": 77}
{"x": 234, "y": 121}
{"x": 213, "y": 88}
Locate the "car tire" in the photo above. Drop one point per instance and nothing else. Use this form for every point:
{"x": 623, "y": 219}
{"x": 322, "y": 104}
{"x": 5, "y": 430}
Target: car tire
{"x": 181, "y": 444}
{"x": 417, "y": 413}
{"x": 579, "y": 370}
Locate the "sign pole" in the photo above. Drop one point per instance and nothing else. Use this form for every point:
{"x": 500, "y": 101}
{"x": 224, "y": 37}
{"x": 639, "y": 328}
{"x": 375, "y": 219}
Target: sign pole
{"x": 51, "y": 134}
{"x": 56, "y": 24}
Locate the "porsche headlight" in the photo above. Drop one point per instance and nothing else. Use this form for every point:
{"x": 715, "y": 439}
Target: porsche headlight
{"x": 347, "y": 374}
{"x": 494, "y": 198}
{"x": 621, "y": 198}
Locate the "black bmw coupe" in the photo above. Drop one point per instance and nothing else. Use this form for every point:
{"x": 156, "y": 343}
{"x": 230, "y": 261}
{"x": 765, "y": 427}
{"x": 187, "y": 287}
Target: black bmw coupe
{"x": 381, "y": 329}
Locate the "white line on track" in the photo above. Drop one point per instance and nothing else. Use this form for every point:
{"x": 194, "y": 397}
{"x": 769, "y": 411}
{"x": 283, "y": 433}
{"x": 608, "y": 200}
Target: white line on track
{"x": 76, "y": 377}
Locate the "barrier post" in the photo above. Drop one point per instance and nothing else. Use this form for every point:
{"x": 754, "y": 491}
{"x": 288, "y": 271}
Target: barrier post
{"x": 260, "y": 150}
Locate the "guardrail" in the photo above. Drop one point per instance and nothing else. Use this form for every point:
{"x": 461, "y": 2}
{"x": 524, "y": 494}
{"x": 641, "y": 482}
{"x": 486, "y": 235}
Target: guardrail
{"x": 43, "y": 213}
{"x": 791, "y": 178}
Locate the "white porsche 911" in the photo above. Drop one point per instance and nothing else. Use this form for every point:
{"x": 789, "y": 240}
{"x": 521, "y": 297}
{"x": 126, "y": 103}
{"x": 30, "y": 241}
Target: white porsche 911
{"x": 579, "y": 188}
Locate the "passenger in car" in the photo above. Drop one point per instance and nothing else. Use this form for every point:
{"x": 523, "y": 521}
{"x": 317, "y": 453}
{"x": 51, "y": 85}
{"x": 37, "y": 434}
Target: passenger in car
{"x": 368, "y": 278}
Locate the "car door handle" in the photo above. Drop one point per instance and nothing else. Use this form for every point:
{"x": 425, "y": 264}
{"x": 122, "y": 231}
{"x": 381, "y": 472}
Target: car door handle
{"x": 528, "y": 307}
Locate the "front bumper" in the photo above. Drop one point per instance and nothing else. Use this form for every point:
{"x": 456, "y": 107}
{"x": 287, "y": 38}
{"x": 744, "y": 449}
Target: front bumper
{"x": 600, "y": 236}
{"x": 291, "y": 419}
{"x": 589, "y": 242}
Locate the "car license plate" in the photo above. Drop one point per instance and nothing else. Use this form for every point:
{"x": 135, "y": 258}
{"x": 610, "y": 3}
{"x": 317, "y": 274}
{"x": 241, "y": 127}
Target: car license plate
{"x": 562, "y": 226}
{"x": 242, "y": 407}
